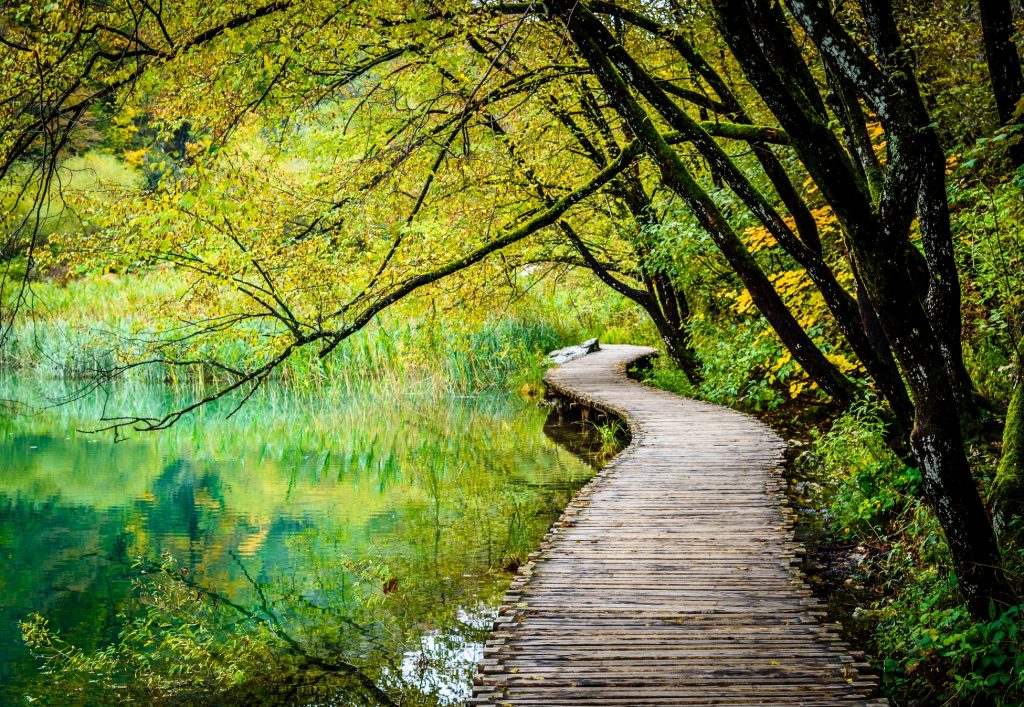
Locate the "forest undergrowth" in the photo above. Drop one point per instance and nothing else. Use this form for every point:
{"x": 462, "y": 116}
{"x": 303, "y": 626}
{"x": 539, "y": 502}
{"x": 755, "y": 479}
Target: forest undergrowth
{"x": 877, "y": 554}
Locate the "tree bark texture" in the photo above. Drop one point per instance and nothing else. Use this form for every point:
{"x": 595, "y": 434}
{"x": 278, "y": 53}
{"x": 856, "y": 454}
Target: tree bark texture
{"x": 1003, "y": 56}
{"x": 921, "y": 327}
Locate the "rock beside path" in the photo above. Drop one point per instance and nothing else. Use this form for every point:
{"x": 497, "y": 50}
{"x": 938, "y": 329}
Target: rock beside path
{"x": 569, "y": 353}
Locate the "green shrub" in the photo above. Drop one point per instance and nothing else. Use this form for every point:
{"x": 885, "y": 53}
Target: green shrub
{"x": 929, "y": 648}
{"x": 924, "y": 642}
{"x": 663, "y": 373}
{"x": 867, "y": 486}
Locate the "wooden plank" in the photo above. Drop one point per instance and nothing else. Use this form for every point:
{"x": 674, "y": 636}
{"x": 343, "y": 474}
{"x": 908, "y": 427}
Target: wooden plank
{"x": 673, "y": 577}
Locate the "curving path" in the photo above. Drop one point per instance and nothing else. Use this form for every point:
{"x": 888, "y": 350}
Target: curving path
{"x": 673, "y": 577}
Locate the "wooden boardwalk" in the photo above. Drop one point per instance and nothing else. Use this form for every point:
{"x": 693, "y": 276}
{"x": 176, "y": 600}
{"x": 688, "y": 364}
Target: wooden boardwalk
{"x": 673, "y": 577}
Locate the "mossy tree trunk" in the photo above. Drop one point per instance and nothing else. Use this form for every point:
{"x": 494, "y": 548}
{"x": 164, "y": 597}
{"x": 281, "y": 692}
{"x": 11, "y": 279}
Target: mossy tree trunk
{"x": 668, "y": 308}
{"x": 596, "y": 44}
{"x": 1003, "y": 59}
{"x": 1008, "y": 489}
{"x": 921, "y": 326}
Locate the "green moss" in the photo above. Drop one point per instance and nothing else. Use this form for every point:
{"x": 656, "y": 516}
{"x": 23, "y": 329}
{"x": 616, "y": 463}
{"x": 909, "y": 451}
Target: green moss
{"x": 1008, "y": 487}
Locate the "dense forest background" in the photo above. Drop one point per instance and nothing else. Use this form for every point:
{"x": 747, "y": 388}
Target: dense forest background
{"x": 814, "y": 208}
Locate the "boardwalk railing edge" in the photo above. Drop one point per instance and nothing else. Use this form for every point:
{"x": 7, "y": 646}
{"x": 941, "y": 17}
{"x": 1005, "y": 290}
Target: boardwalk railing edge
{"x": 511, "y": 607}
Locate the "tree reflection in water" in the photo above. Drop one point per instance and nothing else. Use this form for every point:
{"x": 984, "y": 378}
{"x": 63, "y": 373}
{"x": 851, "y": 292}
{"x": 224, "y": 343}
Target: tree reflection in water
{"x": 313, "y": 550}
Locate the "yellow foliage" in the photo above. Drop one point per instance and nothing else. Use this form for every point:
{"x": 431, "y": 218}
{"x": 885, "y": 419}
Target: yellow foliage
{"x": 785, "y": 358}
{"x": 790, "y": 283}
{"x": 841, "y": 362}
{"x": 744, "y": 304}
{"x": 809, "y": 186}
{"x": 952, "y": 162}
{"x": 758, "y": 238}
{"x": 807, "y": 320}
{"x": 135, "y": 158}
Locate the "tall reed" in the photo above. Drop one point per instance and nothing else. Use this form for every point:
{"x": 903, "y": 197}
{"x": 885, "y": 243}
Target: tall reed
{"x": 96, "y": 324}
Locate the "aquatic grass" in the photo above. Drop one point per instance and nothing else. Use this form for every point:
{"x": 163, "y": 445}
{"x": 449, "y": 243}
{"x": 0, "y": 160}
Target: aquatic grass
{"x": 611, "y": 436}
{"x": 367, "y": 522}
{"x": 95, "y": 324}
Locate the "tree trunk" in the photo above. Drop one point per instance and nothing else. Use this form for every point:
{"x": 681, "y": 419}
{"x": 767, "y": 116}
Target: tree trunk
{"x": 670, "y": 312}
{"x": 924, "y": 336}
{"x": 937, "y": 439}
{"x": 679, "y": 347}
{"x": 942, "y": 301}
{"x": 879, "y": 239}
{"x": 676, "y": 176}
{"x": 1003, "y": 60}
{"x": 1008, "y": 489}
{"x": 846, "y": 105}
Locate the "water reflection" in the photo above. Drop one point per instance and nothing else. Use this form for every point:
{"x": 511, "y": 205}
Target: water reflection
{"x": 368, "y": 529}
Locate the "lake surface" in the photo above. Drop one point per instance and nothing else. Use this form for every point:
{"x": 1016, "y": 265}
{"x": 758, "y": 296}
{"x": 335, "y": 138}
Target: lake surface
{"x": 374, "y": 531}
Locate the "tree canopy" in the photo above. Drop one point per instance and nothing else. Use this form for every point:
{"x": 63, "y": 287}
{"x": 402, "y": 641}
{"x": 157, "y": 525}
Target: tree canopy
{"x": 310, "y": 164}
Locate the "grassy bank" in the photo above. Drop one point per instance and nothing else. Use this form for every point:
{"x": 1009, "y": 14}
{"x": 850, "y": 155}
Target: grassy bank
{"x": 91, "y": 326}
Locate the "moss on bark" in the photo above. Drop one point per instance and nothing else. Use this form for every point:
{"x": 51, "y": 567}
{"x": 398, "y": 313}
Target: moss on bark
{"x": 1008, "y": 489}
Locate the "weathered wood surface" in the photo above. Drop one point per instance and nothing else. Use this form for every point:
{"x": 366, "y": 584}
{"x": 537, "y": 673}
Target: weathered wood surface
{"x": 673, "y": 577}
